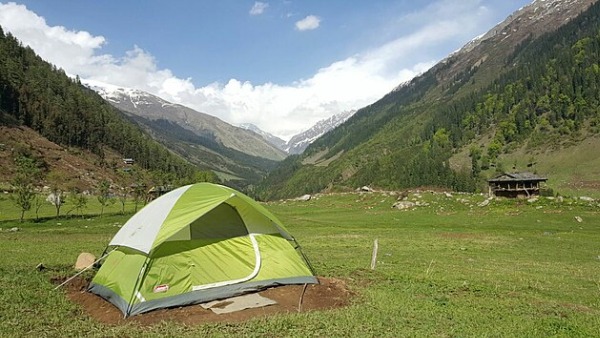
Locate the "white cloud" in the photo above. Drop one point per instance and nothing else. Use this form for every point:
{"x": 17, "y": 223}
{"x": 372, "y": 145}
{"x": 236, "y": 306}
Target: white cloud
{"x": 283, "y": 110}
{"x": 308, "y": 23}
{"x": 258, "y": 8}
{"x": 55, "y": 44}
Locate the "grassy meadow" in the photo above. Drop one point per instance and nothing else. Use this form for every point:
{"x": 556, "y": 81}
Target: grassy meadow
{"x": 445, "y": 268}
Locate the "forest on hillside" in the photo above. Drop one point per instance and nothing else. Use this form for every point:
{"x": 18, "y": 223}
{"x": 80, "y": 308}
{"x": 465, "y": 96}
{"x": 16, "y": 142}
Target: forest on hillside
{"x": 38, "y": 95}
{"x": 549, "y": 91}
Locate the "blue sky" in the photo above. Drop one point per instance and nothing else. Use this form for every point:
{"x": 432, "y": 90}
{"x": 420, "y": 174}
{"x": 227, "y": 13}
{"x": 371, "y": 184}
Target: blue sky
{"x": 282, "y": 65}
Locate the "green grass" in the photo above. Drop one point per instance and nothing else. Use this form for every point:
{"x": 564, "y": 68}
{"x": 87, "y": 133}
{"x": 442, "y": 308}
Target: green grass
{"x": 452, "y": 268}
{"x": 8, "y": 210}
{"x": 571, "y": 170}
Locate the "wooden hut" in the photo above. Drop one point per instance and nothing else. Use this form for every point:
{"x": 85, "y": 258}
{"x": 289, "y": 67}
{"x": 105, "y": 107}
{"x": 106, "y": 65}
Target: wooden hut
{"x": 516, "y": 185}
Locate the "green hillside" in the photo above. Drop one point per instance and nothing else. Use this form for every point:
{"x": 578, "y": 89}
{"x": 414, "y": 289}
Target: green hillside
{"x": 37, "y": 95}
{"x": 236, "y": 168}
{"x": 238, "y": 156}
{"x": 472, "y": 115}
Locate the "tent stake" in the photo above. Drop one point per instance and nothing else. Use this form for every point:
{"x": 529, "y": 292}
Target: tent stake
{"x": 374, "y": 256}
{"x": 301, "y": 298}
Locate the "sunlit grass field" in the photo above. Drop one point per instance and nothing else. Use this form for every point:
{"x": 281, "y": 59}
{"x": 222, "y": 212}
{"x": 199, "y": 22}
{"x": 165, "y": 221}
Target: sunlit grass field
{"x": 446, "y": 268}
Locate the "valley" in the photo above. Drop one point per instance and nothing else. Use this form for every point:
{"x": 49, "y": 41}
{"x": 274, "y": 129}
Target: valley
{"x": 445, "y": 267}
{"x": 386, "y": 204}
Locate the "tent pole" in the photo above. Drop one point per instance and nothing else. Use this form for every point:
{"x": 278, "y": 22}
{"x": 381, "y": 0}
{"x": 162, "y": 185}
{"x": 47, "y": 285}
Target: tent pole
{"x": 84, "y": 269}
{"x": 298, "y": 248}
{"x": 137, "y": 284}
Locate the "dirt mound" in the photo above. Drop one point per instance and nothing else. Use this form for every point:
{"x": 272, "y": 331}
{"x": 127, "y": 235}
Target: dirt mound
{"x": 328, "y": 294}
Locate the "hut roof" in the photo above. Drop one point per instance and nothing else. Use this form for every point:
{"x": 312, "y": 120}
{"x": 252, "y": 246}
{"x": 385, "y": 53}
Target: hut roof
{"x": 517, "y": 177}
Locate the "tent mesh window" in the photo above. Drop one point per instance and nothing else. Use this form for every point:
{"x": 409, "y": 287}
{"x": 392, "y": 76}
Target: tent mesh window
{"x": 221, "y": 222}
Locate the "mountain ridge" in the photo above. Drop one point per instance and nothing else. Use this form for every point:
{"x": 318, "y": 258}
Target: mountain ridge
{"x": 270, "y": 138}
{"x": 298, "y": 143}
{"x": 238, "y": 156}
{"x": 144, "y": 104}
{"x": 406, "y": 138}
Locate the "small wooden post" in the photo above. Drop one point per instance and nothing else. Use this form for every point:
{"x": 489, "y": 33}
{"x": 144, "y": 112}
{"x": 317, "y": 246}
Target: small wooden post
{"x": 374, "y": 256}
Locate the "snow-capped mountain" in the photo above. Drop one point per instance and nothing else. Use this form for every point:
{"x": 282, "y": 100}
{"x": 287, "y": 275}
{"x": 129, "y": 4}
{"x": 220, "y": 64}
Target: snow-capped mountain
{"x": 233, "y": 153}
{"x": 272, "y": 139}
{"x": 298, "y": 143}
{"x": 148, "y": 106}
{"x": 530, "y": 21}
{"x": 117, "y": 95}
{"x": 535, "y": 19}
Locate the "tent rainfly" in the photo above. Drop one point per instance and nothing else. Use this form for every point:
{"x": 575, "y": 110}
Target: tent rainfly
{"x": 195, "y": 244}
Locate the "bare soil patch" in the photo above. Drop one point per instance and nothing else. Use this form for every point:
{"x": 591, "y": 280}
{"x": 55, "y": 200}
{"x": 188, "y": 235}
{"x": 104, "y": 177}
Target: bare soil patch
{"x": 576, "y": 183}
{"x": 80, "y": 168}
{"x": 330, "y": 293}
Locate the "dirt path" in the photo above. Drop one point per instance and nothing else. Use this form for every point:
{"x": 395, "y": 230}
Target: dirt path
{"x": 330, "y": 293}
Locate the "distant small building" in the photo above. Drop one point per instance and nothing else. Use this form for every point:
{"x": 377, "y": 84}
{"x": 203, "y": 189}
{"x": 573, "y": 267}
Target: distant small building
{"x": 516, "y": 185}
{"x": 158, "y": 191}
{"x": 128, "y": 160}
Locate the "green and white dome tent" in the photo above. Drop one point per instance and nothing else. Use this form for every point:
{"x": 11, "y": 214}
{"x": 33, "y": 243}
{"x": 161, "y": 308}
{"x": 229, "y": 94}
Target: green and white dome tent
{"x": 195, "y": 244}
